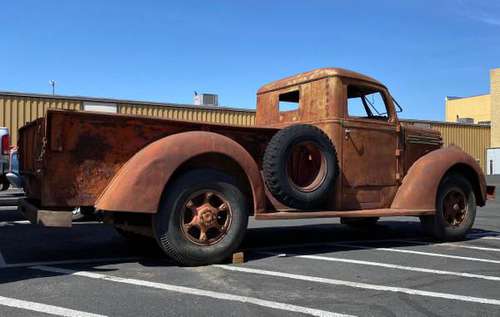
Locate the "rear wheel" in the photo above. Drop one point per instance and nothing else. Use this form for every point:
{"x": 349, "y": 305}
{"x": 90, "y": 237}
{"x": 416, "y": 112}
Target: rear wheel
{"x": 202, "y": 218}
{"x": 455, "y": 210}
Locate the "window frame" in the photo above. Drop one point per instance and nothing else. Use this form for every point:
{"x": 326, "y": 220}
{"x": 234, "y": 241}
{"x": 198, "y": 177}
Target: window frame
{"x": 299, "y": 102}
{"x": 389, "y": 107}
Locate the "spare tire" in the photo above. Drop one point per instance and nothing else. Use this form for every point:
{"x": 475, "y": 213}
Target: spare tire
{"x": 300, "y": 166}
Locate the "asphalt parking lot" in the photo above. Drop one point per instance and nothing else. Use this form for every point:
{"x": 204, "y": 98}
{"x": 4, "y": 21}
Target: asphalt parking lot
{"x": 301, "y": 267}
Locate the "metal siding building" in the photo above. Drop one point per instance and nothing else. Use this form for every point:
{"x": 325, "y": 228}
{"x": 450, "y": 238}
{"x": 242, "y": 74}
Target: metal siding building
{"x": 18, "y": 108}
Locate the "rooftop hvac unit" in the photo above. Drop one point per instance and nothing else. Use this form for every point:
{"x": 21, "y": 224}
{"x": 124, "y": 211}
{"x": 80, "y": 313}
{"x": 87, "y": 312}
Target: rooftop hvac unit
{"x": 206, "y": 100}
{"x": 465, "y": 120}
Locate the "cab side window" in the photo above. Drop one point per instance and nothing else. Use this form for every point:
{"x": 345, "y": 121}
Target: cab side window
{"x": 289, "y": 101}
{"x": 366, "y": 103}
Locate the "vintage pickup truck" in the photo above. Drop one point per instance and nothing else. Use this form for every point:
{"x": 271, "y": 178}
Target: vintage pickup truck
{"x": 327, "y": 143}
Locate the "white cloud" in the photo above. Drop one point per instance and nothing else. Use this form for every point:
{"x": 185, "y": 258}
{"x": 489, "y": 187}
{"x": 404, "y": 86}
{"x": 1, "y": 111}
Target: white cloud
{"x": 483, "y": 11}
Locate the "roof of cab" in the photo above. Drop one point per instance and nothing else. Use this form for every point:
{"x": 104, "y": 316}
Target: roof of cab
{"x": 314, "y": 75}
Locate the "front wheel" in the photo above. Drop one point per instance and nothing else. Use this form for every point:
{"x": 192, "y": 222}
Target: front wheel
{"x": 202, "y": 218}
{"x": 455, "y": 210}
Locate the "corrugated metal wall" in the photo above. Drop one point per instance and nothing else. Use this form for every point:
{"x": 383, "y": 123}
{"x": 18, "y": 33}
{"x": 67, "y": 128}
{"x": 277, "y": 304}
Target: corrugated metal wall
{"x": 473, "y": 139}
{"x": 15, "y": 111}
{"x": 245, "y": 118}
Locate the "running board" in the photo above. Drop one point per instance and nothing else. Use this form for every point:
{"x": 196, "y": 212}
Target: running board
{"x": 46, "y": 218}
{"x": 384, "y": 212}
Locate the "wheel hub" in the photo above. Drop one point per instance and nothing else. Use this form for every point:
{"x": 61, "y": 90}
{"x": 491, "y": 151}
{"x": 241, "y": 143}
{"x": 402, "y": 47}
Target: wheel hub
{"x": 206, "y": 218}
{"x": 455, "y": 207}
{"x": 207, "y": 215}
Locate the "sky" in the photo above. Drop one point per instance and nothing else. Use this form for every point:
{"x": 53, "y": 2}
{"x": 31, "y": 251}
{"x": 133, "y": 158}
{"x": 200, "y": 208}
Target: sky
{"x": 165, "y": 50}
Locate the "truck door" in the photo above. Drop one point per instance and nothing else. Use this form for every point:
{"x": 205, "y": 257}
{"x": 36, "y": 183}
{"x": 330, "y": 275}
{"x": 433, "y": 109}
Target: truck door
{"x": 370, "y": 140}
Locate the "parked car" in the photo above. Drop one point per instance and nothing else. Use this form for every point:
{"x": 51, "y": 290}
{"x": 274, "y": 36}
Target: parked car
{"x": 4, "y": 157}
{"x": 13, "y": 175}
{"x": 328, "y": 143}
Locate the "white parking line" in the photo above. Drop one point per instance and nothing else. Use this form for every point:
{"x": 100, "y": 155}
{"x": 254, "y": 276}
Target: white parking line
{"x": 80, "y": 261}
{"x": 11, "y": 223}
{"x": 391, "y": 266}
{"x": 44, "y": 308}
{"x": 27, "y": 222}
{"x": 490, "y": 238}
{"x": 374, "y": 287}
{"x": 449, "y": 256}
{"x": 454, "y": 244}
{"x": 195, "y": 292}
{"x": 344, "y": 244}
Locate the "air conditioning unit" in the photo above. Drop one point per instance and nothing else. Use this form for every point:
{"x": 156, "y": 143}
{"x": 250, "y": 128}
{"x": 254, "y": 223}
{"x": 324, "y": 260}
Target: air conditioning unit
{"x": 465, "y": 120}
{"x": 206, "y": 100}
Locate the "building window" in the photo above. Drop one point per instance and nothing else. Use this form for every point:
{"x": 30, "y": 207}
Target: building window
{"x": 100, "y": 107}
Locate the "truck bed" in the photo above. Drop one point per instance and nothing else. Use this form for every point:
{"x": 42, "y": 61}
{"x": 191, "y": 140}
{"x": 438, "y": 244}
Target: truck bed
{"x": 67, "y": 158}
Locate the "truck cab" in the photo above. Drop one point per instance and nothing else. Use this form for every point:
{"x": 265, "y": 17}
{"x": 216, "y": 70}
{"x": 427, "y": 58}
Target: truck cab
{"x": 360, "y": 116}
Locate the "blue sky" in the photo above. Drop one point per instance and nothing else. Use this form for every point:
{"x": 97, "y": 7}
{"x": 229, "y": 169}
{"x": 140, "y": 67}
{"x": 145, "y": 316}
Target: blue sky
{"x": 164, "y": 50}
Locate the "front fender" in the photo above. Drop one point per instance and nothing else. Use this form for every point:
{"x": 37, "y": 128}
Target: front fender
{"x": 421, "y": 183}
{"x": 138, "y": 185}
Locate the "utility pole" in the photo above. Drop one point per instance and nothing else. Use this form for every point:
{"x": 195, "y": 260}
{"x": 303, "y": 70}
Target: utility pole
{"x": 53, "y": 84}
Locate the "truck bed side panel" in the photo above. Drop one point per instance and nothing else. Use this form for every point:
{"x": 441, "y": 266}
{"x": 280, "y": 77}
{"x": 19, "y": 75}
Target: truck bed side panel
{"x": 84, "y": 151}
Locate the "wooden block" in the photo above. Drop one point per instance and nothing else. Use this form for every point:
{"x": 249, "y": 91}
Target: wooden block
{"x": 238, "y": 258}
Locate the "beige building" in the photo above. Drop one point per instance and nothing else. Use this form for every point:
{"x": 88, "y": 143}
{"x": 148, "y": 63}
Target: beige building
{"x": 495, "y": 107}
{"x": 481, "y": 109}
{"x": 474, "y": 109}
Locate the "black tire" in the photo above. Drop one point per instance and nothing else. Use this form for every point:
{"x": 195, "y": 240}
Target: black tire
{"x": 180, "y": 243}
{"x": 444, "y": 227}
{"x": 359, "y": 222}
{"x": 284, "y": 162}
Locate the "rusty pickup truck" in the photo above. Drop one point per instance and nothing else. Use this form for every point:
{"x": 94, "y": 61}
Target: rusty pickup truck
{"x": 327, "y": 143}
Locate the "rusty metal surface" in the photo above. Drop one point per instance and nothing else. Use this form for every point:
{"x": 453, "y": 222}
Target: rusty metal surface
{"x": 418, "y": 142}
{"x": 382, "y": 212}
{"x": 314, "y": 75}
{"x": 85, "y": 150}
{"x": 420, "y": 185}
{"x": 385, "y": 168}
{"x": 149, "y": 170}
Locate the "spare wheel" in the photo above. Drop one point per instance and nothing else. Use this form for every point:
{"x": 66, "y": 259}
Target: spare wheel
{"x": 300, "y": 166}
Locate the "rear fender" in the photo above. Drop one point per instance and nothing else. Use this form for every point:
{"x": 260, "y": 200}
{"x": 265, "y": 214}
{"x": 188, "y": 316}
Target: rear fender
{"x": 420, "y": 185}
{"x": 139, "y": 184}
